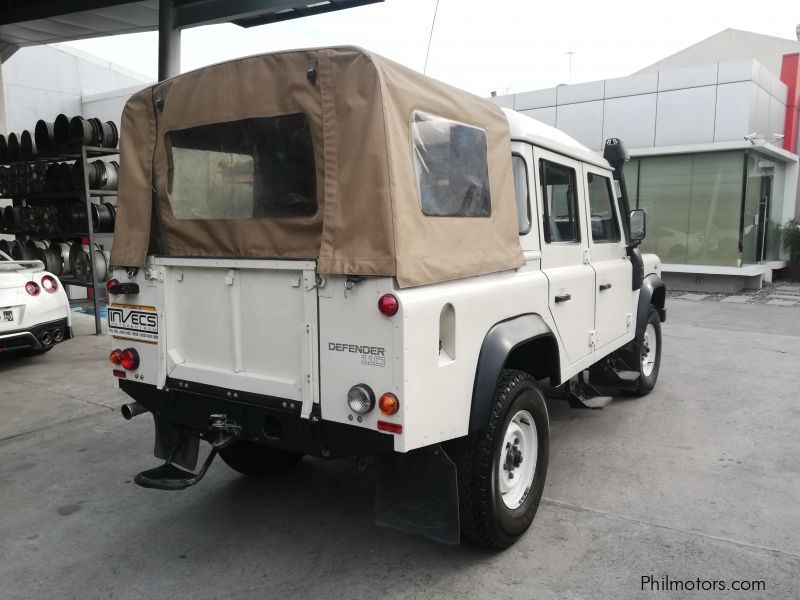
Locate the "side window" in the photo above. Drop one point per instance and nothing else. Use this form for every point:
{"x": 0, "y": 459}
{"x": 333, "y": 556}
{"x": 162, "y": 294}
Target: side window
{"x": 452, "y": 167}
{"x": 560, "y": 203}
{"x": 605, "y": 227}
{"x": 523, "y": 193}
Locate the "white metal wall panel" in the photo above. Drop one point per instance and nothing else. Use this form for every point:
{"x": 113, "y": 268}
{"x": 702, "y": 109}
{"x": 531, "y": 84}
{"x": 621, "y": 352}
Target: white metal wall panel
{"x": 689, "y": 77}
{"x": 545, "y": 115}
{"x": 732, "y": 120}
{"x": 686, "y": 116}
{"x": 535, "y": 99}
{"x": 583, "y": 121}
{"x": 632, "y": 119}
{"x": 581, "y": 92}
{"x": 642, "y": 83}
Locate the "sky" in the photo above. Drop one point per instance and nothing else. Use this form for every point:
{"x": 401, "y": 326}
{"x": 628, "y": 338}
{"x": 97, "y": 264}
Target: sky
{"x": 481, "y": 46}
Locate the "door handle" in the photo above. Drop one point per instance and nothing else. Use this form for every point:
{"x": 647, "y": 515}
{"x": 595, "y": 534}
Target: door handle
{"x": 605, "y": 286}
{"x": 563, "y": 297}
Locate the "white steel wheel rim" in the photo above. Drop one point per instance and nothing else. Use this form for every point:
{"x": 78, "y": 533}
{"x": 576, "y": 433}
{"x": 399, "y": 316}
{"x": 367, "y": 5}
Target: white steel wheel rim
{"x": 649, "y": 350}
{"x": 517, "y": 462}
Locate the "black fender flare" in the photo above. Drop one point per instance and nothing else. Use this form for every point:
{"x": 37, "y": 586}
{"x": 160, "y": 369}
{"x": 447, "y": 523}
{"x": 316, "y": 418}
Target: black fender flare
{"x": 649, "y": 288}
{"x": 500, "y": 341}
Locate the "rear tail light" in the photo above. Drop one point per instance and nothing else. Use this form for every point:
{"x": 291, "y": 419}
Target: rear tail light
{"x": 128, "y": 359}
{"x": 111, "y": 283}
{"x": 32, "y": 288}
{"x": 389, "y": 404}
{"x": 50, "y": 284}
{"x": 390, "y": 427}
{"x": 388, "y": 305}
{"x": 120, "y": 373}
{"x": 115, "y": 357}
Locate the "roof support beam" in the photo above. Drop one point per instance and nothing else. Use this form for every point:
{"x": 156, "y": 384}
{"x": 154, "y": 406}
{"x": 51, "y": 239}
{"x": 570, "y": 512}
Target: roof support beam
{"x": 169, "y": 41}
{"x": 247, "y": 13}
{"x": 206, "y": 12}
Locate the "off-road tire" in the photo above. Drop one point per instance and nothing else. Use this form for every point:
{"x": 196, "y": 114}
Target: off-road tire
{"x": 485, "y": 520}
{"x": 257, "y": 460}
{"x": 648, "y": 382}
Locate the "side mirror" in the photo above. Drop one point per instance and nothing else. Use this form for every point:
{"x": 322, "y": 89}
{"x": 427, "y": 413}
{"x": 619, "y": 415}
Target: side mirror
{"x": 638, "y": 223}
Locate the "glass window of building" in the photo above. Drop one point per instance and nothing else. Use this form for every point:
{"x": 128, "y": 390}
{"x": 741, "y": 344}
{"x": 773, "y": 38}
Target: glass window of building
{"x": 560, "y": 203}
{"x": 693, "y": 204}
{"x": 603, "y": 218}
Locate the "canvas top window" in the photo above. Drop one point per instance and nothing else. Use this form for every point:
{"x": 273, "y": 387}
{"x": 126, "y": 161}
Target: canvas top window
{"x": 250, "y": 168}
{"x": 452, "y": 167}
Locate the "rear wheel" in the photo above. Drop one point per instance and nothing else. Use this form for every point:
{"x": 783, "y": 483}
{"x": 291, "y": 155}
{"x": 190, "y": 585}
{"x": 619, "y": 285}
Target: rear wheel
{"x": 257, "y": 460}
{"x": 502, "y": 468}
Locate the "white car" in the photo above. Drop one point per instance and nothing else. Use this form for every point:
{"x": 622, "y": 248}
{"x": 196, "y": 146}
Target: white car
{"x": 34, "y": 309}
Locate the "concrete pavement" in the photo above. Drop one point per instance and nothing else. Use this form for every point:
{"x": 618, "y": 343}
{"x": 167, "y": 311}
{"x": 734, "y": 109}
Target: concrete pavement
{"x": 698, "y": 480}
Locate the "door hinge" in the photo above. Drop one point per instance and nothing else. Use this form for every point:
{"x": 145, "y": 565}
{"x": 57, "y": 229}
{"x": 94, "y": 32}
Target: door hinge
{"x": 628, "y": 319}
{"x": 593, "y": 338}
{"x": 587, "y": 256}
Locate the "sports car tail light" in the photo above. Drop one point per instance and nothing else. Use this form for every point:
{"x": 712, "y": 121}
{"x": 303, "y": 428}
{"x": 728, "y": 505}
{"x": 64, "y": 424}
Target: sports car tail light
{"x": 388, "y": 305}
{"x": 129, "y": 359}
{"x": 50, "y": 284}
{"x": 389, "y": 404}
{"x": 32, "y": 288}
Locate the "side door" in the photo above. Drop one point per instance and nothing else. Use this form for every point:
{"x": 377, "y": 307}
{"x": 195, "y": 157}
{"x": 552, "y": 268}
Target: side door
{"x": 608, "y": 258}
{"x": 565, "y": 254}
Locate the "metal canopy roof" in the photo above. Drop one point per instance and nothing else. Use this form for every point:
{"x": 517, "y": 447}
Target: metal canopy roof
{"x": 32, "y": 22}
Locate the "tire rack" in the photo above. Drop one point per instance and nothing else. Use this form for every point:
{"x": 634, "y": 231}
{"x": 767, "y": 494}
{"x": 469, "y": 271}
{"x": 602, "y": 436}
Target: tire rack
{"x": 86, "y": 195}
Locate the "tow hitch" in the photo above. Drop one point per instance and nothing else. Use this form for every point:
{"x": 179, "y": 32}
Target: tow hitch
{"x": 170, "y": 476}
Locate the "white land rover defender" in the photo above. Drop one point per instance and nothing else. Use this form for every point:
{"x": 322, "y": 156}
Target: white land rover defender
{"x": 323, "y": 252}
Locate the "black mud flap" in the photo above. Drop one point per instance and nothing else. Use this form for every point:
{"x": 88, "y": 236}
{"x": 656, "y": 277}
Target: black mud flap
{"x": 417, "y": 492}
{"x": 174, "y": 446}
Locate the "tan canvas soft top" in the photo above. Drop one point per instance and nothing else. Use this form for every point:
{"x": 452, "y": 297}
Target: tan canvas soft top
{"x": 359, "y": 108}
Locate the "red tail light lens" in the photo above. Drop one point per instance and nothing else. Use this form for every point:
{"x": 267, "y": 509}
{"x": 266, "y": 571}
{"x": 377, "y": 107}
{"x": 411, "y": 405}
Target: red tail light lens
{"x": 388, "y": 305}
{"x": 115, "y": 357}
{"x": 32, "y": 288}
{"x": 50, "y": 284}
{"x": 110, "y": 284}
{"x": 390, "y": 427}
{"x": 129, "y": 359}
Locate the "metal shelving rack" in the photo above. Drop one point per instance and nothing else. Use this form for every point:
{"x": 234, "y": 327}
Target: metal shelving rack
{"x": 86, "y": 194}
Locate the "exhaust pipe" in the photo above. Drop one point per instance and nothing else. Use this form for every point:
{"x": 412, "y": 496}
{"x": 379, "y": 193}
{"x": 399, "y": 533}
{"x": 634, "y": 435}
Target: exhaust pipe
{"x": 46, "y": 338}
{"x": 58, "y": 335}
{"x": 132, "y": 409}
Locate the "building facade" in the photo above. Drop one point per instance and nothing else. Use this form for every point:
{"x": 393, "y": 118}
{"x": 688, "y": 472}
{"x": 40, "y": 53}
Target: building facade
{"x": 713, "y": 147}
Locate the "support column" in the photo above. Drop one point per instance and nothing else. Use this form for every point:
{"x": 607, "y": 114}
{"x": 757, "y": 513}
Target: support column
{"x": 169, "y": 41}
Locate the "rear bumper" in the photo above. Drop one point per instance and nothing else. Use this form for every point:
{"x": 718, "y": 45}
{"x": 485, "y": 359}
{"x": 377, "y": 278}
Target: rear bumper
{"x": 36, "y": 337}
{"x": 264, "y": 419}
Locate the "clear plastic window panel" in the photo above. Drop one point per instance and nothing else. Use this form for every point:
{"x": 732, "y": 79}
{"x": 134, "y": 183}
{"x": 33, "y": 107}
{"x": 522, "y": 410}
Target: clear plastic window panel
{"x": 251, "y": 168}
{"x": 452, "y": 169}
